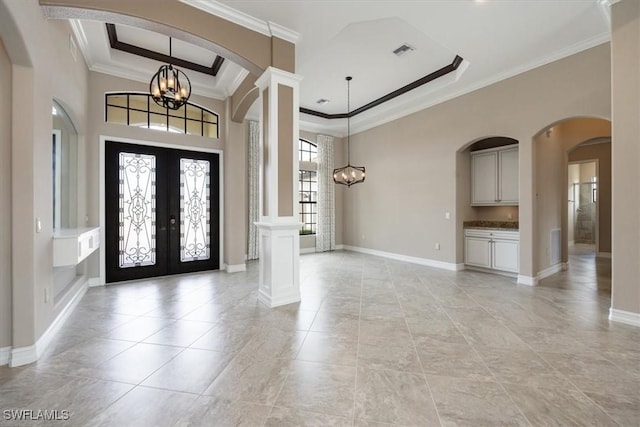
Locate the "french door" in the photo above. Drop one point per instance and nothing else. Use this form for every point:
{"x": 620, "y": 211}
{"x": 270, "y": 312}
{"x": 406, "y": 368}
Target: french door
{"x": 162, "y": 211}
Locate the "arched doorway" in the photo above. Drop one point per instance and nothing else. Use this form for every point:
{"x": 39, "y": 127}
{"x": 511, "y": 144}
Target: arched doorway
{"x": 553, "y": 147}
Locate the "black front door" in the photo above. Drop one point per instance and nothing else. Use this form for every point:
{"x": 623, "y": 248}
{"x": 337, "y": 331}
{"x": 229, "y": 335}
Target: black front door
{"x": 162, "y": 211}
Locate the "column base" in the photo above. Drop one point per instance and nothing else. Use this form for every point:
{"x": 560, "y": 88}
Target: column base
{"x": 279, "y": 263}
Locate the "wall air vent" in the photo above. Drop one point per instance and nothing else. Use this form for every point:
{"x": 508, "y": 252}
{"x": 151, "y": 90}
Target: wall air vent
{"x": 405, "y": 48}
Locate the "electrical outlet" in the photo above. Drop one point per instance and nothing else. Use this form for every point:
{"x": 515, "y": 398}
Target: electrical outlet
{"x": 436, "y": 246}
{"x": 38, "y": 225}
{"x": 447, "y": 215}
{"x": 509, "y": 215}
{"x": 46, "y": 295}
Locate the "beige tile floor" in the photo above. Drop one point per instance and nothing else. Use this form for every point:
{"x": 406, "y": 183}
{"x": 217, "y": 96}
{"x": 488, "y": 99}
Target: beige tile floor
{"x": 374, "y": 342}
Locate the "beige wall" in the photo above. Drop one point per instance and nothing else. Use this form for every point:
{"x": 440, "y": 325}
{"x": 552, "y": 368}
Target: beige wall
{"x": 43, "y": 69}
{"x": 413, "y": 167}
{"x": 548, "y": 153}
{"x": 5, "y": 199}
{"x": 601, "y": 153}
{"x": 625, "y": 57}
{"x": 236, "y": 190}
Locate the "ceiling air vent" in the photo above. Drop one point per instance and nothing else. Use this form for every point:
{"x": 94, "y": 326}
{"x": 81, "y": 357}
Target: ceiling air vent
{"x": 405, "y": 48}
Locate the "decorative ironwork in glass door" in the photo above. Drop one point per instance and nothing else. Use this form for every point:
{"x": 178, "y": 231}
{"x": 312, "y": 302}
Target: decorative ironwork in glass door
{"x": 195, "y": 209}
{"x": 137, "y": 207}
{"x": 162, "y": 211}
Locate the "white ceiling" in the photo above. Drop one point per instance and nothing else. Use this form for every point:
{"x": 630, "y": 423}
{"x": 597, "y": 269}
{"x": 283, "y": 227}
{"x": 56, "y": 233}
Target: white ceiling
{"x": 496, "y": 38}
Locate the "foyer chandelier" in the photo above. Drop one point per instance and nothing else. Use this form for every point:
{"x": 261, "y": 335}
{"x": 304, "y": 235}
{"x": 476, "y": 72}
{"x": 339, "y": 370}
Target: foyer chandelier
{"x": 349, "y": 175}
{"x": 170, "y": 87}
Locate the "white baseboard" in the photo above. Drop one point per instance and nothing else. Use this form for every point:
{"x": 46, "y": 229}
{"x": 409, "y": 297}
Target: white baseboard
{"x": 5, "y": 355}
{"x": 489, "y": 270}
{"x": 556, "y": 268}
{"x": 304, "y": 251}
{"x": 406, "y": 258}
{"x": 527, "y": 280}
{"x": 94, "y": 282}
{"x": 604, "y": 255}
{"x": 23, "y": 356}
{"x": 236, "y": 268}
{"x": 627, "y": 317}
{"x": 284, "y": 299}
{"x": 339, "y": 247}
{"x": 29, "y": 354}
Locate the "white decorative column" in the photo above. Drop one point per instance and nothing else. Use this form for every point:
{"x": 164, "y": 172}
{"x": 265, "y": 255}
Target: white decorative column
{"x": 279, "y": 223}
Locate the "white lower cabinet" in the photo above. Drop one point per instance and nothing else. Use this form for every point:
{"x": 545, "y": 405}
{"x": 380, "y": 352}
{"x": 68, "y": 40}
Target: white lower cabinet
{"x": 492, "y": 249}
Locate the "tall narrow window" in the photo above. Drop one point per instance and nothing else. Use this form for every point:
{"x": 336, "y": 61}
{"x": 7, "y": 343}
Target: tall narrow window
{"x": 308, "y": 186}
{"x": 195, "y": 209}
{"x": 137, "y": 206}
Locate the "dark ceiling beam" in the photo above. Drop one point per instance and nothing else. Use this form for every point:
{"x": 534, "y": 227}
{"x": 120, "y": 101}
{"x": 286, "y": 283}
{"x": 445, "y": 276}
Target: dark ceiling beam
{"x": 421, "y": 81}
{"x": 146, "y": 53}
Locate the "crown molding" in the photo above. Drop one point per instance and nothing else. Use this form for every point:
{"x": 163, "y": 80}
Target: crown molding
{"x": 81, "y": 37}
{"x": 230, "y": 14}
{"x": 608, "y": 3}
{"x": 283, "y": 33}
{"x": 223, "y": 11}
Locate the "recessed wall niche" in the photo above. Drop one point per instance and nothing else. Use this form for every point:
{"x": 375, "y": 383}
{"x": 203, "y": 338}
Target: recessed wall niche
{"x": 64, "y": 149}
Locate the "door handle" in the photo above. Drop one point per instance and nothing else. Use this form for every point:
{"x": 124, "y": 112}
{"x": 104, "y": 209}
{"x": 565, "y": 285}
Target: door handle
{"x": 172, "y": 222}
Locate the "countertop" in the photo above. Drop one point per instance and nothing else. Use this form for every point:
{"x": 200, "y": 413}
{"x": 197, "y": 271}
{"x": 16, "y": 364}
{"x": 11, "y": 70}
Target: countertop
{"x": 493, "y": 225}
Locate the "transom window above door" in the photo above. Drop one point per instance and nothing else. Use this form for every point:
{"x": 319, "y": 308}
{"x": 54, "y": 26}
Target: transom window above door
{"x": 139, "y": 110}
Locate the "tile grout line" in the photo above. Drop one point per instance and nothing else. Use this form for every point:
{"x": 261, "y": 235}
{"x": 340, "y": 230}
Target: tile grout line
{"x": 477, "y": 353}
{"x": 553, "y": 368}
{"x": 415, "y": 347}
{"x": 355, "y": 387}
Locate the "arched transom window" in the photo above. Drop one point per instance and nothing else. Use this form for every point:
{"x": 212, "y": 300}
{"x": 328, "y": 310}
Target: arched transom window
{"x": 139, "y": 109}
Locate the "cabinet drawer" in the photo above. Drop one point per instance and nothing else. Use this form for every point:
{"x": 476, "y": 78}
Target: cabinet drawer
{"x": 492, "y": 234}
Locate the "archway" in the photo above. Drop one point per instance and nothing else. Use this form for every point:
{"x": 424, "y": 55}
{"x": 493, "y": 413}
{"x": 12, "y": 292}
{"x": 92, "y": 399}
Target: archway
{"x": 551, "y": 148}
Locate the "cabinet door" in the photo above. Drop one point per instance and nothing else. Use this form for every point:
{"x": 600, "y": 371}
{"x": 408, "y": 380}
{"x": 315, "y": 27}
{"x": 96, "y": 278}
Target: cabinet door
{"x": 505, "y": 255}
{"x": 508, "y": 176}
{"x": 484, "y": 184}
{"x": 477, "y": 251}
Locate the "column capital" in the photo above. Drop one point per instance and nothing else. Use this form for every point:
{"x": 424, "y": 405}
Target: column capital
{"x": 274, "y": 75}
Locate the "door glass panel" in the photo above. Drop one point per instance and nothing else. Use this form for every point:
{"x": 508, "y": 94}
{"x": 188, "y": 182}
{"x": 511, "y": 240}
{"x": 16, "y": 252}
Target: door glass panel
{"x": 137, "y": 210}
{"x": 195, "y": 209}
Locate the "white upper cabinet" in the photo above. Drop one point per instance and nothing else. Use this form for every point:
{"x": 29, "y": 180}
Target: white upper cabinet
{"x": 494, "y": 176}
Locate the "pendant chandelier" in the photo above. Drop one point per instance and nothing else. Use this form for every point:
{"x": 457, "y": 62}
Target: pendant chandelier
{"x": 348, "y": 175}
{"x": 170, "y": 87}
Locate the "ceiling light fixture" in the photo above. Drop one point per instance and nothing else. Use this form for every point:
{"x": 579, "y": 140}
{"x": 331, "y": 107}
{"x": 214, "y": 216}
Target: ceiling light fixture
{"x": 349, "y": 175}
{"x": 170, "y": 87}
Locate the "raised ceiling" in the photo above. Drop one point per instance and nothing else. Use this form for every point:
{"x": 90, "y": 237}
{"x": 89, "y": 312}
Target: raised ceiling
{"x": 496, "y": 38}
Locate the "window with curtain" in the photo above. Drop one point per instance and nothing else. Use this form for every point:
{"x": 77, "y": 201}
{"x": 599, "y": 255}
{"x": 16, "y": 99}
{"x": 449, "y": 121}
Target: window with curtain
{"x": 308, "y": 186}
